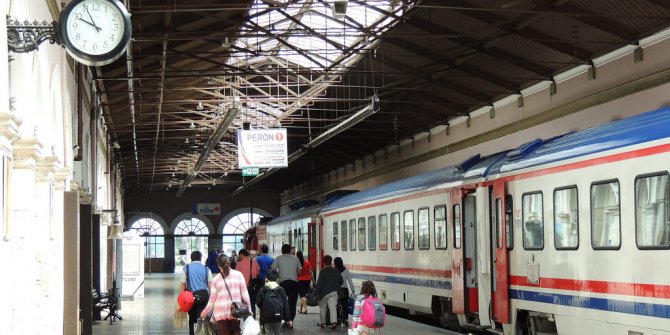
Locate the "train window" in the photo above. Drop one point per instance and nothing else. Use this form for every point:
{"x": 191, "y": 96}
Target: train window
{"x": 652, "y": 202}
{"x": 344, "y": 234}
{"x": 509, "y": 220}
{"x": 336, "y": 229}
{"x": 408, "y": 220}
{"x": 352, "y": 234}
{"x": 440, "y": 227}
{"x": 498, "y": 221}
{"x": 605, "y": 218}
{"x": 372, "y": 233}
{"x": 457, "y": 226}
{"x": 383, "y": 232}
{"x": 533, "y": 221}
{"x": 395, "y": 231}
{"x": 424, "y": 228}
{"x": 566, "y": 218}
{"x": 361, "y": 233}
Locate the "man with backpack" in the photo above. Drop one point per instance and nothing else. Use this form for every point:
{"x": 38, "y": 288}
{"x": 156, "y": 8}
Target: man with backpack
{"x": 273, "y": 304}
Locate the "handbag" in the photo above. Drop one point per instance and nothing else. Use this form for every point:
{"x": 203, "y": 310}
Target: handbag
{"x": 238, "y": 309}
{"x": 255, "y": 284}
{"x": 204, "y": 327}
{"x": 312, "y": 299}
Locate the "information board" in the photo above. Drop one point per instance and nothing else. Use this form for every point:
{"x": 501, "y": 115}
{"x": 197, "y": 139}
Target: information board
{"x": 262, "y": 148}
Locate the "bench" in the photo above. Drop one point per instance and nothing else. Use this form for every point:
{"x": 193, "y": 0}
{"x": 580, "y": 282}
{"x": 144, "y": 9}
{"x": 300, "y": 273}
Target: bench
{"x": 107, "y": 302}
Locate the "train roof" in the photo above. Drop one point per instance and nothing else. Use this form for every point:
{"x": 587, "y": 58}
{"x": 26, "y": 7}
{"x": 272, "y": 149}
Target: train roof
{"x": 297, "y": 214}
{"x": 637, "y": 129}
{"x": 633, "y": 130}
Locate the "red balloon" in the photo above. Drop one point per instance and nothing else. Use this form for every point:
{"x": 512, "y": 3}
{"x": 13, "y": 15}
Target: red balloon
{"x": 185, "y": 301}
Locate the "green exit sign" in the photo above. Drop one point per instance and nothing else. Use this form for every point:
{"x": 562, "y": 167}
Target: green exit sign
{"x": 250, "y": 171}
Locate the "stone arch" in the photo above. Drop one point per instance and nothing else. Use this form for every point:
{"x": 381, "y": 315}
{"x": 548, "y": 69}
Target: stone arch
{"x": 149, "y": 215}
{"x": 234, "y": 213}
{"x": 184, "y": 216}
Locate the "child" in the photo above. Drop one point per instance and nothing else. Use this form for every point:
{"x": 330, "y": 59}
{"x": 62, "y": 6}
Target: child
{"x": 367, "y": 289}
{"x": 273, "y": 303}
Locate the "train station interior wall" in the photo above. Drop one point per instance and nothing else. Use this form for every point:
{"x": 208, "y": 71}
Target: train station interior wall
{"x": 621, "y": 88}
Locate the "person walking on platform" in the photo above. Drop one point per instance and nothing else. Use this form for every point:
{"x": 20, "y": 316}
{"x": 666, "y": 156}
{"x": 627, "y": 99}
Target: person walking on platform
{"x": 304, "y": 280}
{"x": 264, "y": 262}
{"x": 196, "y": 278}
{"x": 347, "y": 288}
{"x": 273, "y": 303}
{"x": 327, "y": 285}
{"x": 249, "y": 269}
{"x": 211, "y": 262}
{"x": 288, "y": 267}
{"x": 227, "y": 287}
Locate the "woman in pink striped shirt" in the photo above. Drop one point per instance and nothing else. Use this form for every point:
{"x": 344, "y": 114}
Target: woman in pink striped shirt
{"x": 221, "y": 298}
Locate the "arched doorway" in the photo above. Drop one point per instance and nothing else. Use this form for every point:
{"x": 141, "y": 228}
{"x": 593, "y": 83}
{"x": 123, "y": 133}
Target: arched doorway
{"x": 234, "y": 228}
{"x": 154, "y": 242}
{"x": 190, "y": 234}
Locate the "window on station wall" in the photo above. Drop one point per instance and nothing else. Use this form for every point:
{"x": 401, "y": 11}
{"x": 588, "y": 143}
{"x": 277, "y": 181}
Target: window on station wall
{"x": 153, "y": 235}
{"x": 191, "y": 234}
{"x": 652, "y": 202}
{"x": 233, "y": 231}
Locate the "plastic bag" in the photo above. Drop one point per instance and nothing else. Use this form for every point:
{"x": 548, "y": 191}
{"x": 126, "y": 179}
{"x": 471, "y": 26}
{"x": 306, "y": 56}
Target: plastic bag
{"x": 204, "y": 327}
{"x": 250, "y": 326}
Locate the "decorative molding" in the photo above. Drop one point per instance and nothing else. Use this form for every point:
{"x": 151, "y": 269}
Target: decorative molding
{"x": 26, "y": 36}
{"x": 9, "y": 131}
{"x": 26, "y": 153}
{"x": 62, "y": 177}
{"x": 46, "y": 168}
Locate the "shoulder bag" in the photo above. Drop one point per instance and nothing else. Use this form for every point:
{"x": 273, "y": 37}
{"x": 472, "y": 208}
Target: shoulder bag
{"x": 255, "y": 284}
{"x": 238, "y": 309}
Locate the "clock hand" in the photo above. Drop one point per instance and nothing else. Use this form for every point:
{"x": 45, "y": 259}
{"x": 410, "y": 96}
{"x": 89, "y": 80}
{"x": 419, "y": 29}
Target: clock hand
{"x": 93, "y": 21}
{"x": 90, "y": 24}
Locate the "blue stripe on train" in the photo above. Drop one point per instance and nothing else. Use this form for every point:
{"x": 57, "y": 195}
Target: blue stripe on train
{"x": 610, "y": 305}
{"x": 441, "y": 284}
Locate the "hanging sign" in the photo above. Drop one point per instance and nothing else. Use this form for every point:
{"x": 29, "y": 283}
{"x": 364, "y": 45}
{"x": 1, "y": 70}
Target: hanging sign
{"x": 207, "y": 209}
{"x": 262, "y": 148}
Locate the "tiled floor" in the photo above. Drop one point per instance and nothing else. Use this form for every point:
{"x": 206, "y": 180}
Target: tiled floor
{"x": 153, "y": 315}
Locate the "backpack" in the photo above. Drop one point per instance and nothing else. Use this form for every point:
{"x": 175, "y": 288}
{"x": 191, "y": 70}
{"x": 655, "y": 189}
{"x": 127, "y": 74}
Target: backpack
{"x": 273, "y": 306}
{"x": 373, "y": 313}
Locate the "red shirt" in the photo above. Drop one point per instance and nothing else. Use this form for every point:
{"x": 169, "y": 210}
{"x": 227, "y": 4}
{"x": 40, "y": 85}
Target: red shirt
{"x": 306, "y": 272}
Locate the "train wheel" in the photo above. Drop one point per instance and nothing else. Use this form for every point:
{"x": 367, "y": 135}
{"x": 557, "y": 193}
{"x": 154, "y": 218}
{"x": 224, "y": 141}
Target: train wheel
{"x": 442, "y": 309}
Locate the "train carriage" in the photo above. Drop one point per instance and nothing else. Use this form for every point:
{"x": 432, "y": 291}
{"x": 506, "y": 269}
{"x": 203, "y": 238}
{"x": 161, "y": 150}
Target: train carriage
{"x": 568, "y": 235}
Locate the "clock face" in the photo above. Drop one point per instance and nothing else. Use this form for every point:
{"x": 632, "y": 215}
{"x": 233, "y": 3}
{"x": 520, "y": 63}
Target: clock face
{"x": 95, "y": 31}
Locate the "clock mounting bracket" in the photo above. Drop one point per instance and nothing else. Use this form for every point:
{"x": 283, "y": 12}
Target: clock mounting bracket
{"x": 26, "y": 36}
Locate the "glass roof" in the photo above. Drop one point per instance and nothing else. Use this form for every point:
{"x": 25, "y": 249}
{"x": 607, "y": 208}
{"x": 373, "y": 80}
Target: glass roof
{"x": 301, "y": 35}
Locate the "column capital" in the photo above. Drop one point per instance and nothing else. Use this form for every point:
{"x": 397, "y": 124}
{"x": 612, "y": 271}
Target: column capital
{"x": 85, "y": 196}
{"x": 9, "y": 131}
{"x": 26, "y": 153}
{"x": 46, "y": 168}
{"x": 62, "y": 176}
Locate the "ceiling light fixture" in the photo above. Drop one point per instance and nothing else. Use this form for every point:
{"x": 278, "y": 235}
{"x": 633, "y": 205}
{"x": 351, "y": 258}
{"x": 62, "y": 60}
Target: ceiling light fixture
{"x": 186, "y": 141}
{"x": 199, "y": 106}
{"x": 225, "y": 44}
{"x": 339, "y": 8}
{"x": 211, "y": 81}
{"x": 192, "y": 125}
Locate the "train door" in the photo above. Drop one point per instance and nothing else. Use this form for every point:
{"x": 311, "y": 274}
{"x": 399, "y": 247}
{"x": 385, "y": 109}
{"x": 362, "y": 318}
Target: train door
{"x": 502, "y": 232}
{"x": 463, "y": 271}
{"x": 311, "y": 242}
{"x": 469, "y": 220}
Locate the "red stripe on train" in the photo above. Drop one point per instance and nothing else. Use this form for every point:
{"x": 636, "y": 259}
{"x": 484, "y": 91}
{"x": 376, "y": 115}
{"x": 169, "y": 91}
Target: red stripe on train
{"x": 596, "y": 286}
{"x": 402, "y": 271}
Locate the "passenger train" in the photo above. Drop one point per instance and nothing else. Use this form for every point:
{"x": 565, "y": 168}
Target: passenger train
{"x": 567, "y": 235}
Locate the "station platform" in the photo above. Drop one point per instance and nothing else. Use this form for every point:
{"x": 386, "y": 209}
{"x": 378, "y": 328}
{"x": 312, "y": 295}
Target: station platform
{"x": 153, "y": 315}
